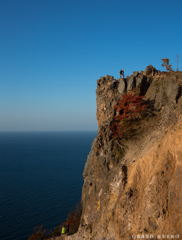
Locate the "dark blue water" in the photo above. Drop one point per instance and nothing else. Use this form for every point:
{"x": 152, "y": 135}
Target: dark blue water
{"x": 40, "y": 179}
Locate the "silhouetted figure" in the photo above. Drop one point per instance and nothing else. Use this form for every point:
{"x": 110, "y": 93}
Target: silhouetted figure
{"x": 121, "y": 73}
{"x": 67, "y": 228}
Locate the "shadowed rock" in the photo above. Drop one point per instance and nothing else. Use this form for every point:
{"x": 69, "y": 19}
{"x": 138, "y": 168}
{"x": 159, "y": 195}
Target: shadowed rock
{"x": 122, "y": 85}
{"x": 135, "y": 74}
{"x": 131, "y": 83}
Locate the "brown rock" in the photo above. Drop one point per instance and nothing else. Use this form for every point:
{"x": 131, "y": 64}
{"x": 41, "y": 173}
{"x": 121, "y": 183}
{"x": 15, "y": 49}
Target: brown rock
{"x": 138, "y": 192}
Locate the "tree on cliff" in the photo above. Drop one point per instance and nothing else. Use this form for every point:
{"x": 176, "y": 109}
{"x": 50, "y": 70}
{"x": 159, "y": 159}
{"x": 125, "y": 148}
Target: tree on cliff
{"x": 165, "y": 63}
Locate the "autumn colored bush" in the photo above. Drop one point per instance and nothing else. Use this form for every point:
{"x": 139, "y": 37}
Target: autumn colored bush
{"x": 74, "y": 219}
{"x": 129, "y": 110}
{"x": 38, "y": 234}
{"x": 57, "y": 231}
{"x": 165, "y": 63}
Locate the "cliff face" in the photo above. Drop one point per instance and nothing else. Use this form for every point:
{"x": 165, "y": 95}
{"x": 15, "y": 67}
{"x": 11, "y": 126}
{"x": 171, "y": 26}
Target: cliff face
{"x": 136, "y": 190}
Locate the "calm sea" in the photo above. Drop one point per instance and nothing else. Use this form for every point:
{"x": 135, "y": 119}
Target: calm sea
{"x": 40, "y": 179}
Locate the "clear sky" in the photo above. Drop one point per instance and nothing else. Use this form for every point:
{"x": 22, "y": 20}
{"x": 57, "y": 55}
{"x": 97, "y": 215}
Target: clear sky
{"x": 53, "y": 51}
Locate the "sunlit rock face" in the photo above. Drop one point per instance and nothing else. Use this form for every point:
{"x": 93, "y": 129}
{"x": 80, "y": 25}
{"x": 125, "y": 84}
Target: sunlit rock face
{"x": 138, "y": 193}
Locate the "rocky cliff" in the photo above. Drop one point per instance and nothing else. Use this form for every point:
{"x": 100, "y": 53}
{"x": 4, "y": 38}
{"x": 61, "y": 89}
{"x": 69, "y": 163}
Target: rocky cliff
{"x": 136, "y": 191}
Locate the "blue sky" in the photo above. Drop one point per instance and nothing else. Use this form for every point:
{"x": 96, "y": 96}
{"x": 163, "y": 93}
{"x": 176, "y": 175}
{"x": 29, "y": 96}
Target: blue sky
{"x": 53, "y": 51}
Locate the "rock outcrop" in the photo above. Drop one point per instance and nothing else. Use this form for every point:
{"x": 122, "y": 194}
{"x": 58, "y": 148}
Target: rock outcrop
{"x": 136, "y": 193}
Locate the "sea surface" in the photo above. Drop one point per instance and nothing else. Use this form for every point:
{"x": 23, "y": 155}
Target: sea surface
{"x": 40, "y": 179}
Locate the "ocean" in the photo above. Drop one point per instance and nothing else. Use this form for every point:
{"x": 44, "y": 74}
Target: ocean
{"x": 40, "y": 179}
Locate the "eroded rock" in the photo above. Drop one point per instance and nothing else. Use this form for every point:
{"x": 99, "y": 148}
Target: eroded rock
{"x": 139, "y": 193}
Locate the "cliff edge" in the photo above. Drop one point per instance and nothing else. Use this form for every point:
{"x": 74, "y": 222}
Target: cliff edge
{"x": 137, "y": 190}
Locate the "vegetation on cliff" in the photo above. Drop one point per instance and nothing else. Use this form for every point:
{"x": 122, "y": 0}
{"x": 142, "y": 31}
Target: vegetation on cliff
{"x": 165, "y": 63}
{"x": 129, "y": 110}
{"x": 73, "y": 219}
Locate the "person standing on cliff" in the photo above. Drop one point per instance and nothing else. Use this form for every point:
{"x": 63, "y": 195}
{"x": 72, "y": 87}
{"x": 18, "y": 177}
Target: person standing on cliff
{"x": 121, "y": 73}
{"x": 67, "y": 228}
{"x": 63, "y": 230}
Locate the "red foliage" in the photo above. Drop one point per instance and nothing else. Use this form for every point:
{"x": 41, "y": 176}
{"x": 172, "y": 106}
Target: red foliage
{"x": 128, "y": 109}
{"x": 38, "y": 234}
{"x": 74, "y": 219}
